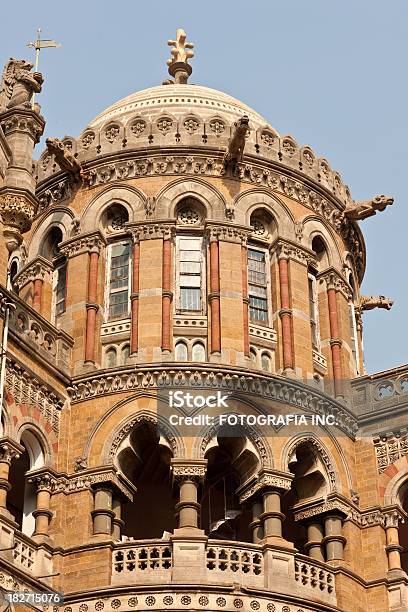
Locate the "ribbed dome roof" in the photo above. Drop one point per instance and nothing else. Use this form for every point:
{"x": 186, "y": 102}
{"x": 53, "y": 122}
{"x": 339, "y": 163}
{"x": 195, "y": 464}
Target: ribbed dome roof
{"x": 178, "y": 100}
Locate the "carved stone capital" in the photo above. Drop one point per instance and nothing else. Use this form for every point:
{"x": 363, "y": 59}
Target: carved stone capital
{"x": 9, "y": 450}
{"x": 24, "y": 120}
{"x": 284, "y": 249}
{"x": 393, "y": 516}
{"x": 88, "y": 243}
{"x": 37, "y": 269}
{"x": 334, "y": 280}
{"x": 267, "y": 479}
{"x": 183, "y": 469}
{"x": 228, "y": 233}
{"x": 17, "y": 209}
{"x": 44, "y": 479}
{"x": 105, "y": 476}
{"x": 321, "y": 507}
{"x": 152, "y": 230}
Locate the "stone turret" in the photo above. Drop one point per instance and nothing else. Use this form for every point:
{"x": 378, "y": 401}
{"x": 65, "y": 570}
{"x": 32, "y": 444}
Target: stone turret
{"x": 21, "y": 127}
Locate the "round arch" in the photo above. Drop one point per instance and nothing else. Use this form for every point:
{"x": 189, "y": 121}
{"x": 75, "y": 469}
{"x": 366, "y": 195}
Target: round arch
{"x": 61, "y": 218}
{"x": 168, "y": 198}
{"x": 314, "y": 226}
{"x": 131, "y": 198}
{"x": 252, "y": 199}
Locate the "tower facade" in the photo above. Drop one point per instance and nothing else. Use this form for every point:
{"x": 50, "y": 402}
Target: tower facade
{"x": 181, "y": 249}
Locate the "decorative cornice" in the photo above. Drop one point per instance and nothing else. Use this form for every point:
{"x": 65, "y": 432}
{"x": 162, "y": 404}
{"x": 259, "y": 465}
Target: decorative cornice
{"x": 88, "y": 243}
{"x": 228, "y": 233}
{"x": 37, "y": 268}
{"x": 291, "y": 250}
{"x": 44, "y": 479}
{"x": 267, "y": 479}
{"x": 291, "y": 392}
{"x": 22, "y": 120}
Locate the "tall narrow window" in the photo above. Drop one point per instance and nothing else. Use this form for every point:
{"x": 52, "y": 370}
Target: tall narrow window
{"x": 119, "y": 286}
{"x": 60, "y": 289}
{"x": 354, "y": 337}
{"x": 257, "y": 286}
{"x": 190, "y": 263}
{"x": 314, "y": 312}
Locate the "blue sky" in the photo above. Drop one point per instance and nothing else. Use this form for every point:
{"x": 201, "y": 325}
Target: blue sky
{"x": 332, "y": 74}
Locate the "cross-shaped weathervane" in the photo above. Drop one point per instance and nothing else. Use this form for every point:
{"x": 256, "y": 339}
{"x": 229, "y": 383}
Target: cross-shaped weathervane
{"x": 38, "y": 45}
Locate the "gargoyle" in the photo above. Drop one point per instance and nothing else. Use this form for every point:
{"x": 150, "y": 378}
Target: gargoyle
{"x": 65, "y": 159}
{"x": 367, "y": 208}
{"x": 19, "y": 84}
{"x": 236, "y": 145}
{"x": 369, "y": 302}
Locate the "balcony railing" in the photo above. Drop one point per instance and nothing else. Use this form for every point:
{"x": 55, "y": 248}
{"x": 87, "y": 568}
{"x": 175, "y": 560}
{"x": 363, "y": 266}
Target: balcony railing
{"x": 251, "y": 565}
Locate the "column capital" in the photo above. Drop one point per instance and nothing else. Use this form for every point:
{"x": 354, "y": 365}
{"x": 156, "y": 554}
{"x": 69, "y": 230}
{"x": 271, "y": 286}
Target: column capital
{"x": 334, "y": 280}
{"x": 92, "y": 242}
{"x": 286, "y": 249}
{"x": 227, "y": 233}
{"x": 44, "y": 479}
{"x": 25, "y": 120}
{"x": 37, "y": 269}
{"x": 151, "y": 230}
{"x": 393, "y": 516}
{"x": 185, "y": 469}
{"x": 9, "y": 450}
{"x": 267, "y": 480}
{"x": 308, "y": 511}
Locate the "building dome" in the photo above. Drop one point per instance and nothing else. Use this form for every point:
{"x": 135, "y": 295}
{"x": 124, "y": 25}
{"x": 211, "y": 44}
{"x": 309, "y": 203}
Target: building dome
{"x": 178, "y": 100}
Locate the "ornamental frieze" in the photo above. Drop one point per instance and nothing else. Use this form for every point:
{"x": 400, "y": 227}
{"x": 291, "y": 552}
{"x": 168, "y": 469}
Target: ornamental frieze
{"x": 286, "y": 391}
{"x": 152, "y": 231}
{"x": 228, "y": 233}
{"x": 85, "y": 481}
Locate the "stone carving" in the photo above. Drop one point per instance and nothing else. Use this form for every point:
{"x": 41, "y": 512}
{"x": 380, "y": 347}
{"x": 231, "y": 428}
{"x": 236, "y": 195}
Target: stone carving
{"x": 291, "y": 250}
{"x": 80, "y": 464}
{"x": 112, "y": 133}
{"x": 266, "y": 480}
{"x": 138, "y": 127}
{"x": 389, "y": 449}
{"x": 72, "y": 483}
{"x": 236, "y": 145}
{"x": 130, "y": 425}
{"x": 65, "y": 159}
{"x": 335, "y": 281}
{"x": 227, "y": 233}
{"x": 369, "y": 302}
{"x": 19, "y": 84}
{"x": 150, "y": 206}
{"x": 367, "y": 208}
{"x": 217, "y": 126}
{"x": 84, "y": 244}
{"x": 191, "y": 125}
{"x": 322, "y": 453}
{"x": 152, "y": 231}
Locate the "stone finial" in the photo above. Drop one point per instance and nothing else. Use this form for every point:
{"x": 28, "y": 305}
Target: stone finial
{"x": 369, "y": 302}
{"x": 367, "y": 208}
{"x": 19, "y": 84}
{"x": 179, "y": 68}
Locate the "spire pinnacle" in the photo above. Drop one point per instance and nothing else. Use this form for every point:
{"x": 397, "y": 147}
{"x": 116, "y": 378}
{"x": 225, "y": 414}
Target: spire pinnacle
{"x": 179, "y": 68}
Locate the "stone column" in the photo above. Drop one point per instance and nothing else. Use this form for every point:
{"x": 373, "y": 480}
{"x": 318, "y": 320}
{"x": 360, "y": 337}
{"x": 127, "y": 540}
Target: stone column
{"x": 42, "y": 514}
{"x": 37, "y": 295}
{"x": 315, "y": 534}
{"x": 334, "y": 540}
{"x": 134, "y": 298}
{"x": 9, "y": 450}
{"x": 272, "y": 516}
{"x": 256, "y": 525}
{"x": 214, "y": 295}
{"x": 245, "y": 298}
{"x": 91, "y": 306}
{"x": 102, "y": 514}
{"x": 393, "y": 547}
{"x": 188, "y": 475}
{"x": 335, "y": 340}
{"x": 285, "y": 314}
{"x": 117, "y": 520}
{"x": 167, "y": 295}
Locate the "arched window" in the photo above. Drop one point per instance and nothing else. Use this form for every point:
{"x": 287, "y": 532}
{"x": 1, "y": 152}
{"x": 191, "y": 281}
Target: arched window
{"x": 50, "y": 251}
{"x": 181, "y": 353}
{"x": 125, "y": 353}
{"x": 198, "y": 352}
{"x": 253, "y": 357}
{"x": 314, "y": 309}
{"x": 114, "y": 218}
{"x": 110, "y": 357}
{"x": 353, "y": 326}
{"x": 320, "y": 250}
{"x": 12, "y": 274}
{"x": 189, "y": 274}
{"x": 21, "y": 500}
{"x": 266, "y": 362}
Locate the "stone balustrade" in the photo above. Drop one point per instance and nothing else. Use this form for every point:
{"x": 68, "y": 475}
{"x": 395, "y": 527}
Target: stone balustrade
{"x": 36, "y": 334}
{"x": 374, "y": 393}
{"x": 30, "y": 558}
{"x": 251, "y": 565}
